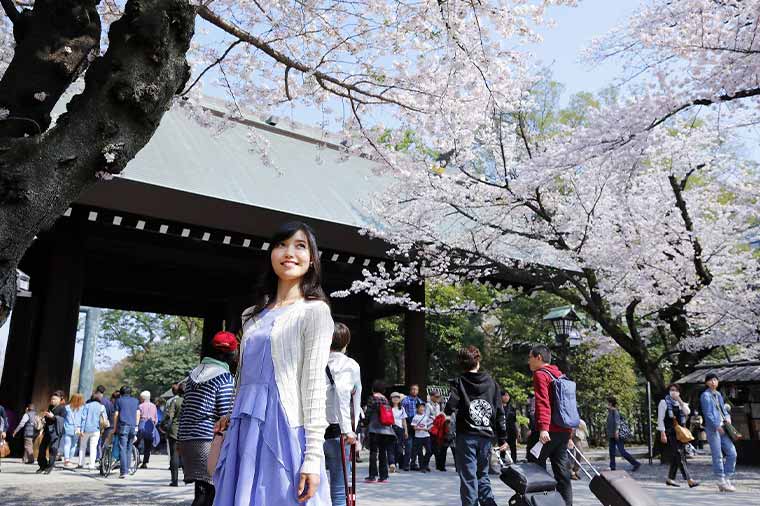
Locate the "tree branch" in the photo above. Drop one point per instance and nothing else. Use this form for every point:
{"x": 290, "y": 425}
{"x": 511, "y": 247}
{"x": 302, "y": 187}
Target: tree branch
{"x": 751, "y": 92}
{"x": 214, "y": 64}
{"x": 705, "y": 277}
{"x": 321, "y": 77}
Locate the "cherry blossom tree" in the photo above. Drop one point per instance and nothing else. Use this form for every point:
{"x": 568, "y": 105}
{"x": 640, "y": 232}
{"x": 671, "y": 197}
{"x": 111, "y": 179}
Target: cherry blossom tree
{"x": 634, "y": 206}
{"x": 437, "y": 67}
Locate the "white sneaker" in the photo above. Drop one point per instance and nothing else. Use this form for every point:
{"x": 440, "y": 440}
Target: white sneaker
{"x": 725, "y": 486}
{"x": 731, "y": 486}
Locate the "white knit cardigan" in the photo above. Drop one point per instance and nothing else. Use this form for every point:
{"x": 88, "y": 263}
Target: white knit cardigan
{"x": 300, "y": 341}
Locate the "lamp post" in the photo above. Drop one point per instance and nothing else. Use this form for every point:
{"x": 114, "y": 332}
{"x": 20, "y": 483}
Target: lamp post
{"x": 563, "y": 320}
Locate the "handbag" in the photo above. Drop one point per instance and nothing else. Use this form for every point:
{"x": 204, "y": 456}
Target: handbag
{"x": 624, "y": 430}
{"x": 683, "y": 435}
{"x": 104, "y": 423}
{"x": 731, "y": 431}
{"x": 216, "y": 445}
{"x": 4, "y": 449}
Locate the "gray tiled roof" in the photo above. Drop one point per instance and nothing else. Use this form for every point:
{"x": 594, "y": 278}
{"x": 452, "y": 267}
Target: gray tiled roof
{"x": 190, "y": 157}
{"x": 736, "y": 372}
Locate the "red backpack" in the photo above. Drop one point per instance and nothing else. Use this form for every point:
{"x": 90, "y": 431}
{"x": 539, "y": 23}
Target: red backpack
{"x": 438, "y": 430}
{"x": 385, "y": 414}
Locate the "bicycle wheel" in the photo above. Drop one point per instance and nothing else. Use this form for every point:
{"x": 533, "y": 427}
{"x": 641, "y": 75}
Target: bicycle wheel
{"x": 134, "y": 462}
{"x": 106, "y": 461}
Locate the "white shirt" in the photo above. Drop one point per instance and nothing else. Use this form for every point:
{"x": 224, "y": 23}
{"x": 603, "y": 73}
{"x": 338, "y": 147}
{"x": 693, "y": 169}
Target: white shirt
{"x": 422, "y": 425}
{"x": 300, "y": 342}
{"x": 346, "y": 393}
{"x": 432, "y": 409}
{"x": 662, "y": 409}
{"x": 399, "y": 415}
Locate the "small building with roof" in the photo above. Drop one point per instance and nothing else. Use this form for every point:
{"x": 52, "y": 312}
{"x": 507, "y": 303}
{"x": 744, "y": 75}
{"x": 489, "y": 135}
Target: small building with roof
{"x": 739, "y": 382}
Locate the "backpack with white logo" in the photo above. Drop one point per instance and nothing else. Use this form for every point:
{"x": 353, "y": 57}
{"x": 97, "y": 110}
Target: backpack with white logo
{"x": 564, "y": 406}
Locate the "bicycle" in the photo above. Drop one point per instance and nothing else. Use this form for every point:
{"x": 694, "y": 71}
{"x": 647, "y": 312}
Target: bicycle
{"x": 110, "y": 458}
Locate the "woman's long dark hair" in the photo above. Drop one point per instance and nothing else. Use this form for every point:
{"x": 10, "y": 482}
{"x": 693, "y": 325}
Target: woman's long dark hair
{"x": 311, "y": 282}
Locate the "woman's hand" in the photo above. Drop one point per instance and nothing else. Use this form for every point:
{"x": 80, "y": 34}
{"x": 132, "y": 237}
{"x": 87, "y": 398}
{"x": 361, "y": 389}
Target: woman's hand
{"x": 663, "y": 438}
{"x": 222, "y": 424}
{"x": 307, "y": 487}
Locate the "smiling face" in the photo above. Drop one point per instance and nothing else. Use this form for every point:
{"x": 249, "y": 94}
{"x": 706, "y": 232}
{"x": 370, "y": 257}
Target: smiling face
{"x": 291, "y": 257}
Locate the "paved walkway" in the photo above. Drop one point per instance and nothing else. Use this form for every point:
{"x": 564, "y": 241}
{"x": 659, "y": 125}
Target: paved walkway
{"x": 20, "y": 486}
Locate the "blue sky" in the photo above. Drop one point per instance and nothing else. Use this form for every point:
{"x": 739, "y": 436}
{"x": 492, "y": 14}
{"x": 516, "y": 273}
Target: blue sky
{"x": 575, "y": 27}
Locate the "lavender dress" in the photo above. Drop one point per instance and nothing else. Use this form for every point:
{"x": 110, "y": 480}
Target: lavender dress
{"x": 261, "y": 457}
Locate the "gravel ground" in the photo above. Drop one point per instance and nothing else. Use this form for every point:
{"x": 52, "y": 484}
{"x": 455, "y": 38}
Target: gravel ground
{"x": 19, "y": 485}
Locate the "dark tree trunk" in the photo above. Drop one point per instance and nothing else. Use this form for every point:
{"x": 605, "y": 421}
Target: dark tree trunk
{"x": 126, "y": 93}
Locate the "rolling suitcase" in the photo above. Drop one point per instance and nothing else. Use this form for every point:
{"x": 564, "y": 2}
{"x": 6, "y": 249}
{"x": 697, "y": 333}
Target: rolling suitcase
{"x": 614, "y": 488}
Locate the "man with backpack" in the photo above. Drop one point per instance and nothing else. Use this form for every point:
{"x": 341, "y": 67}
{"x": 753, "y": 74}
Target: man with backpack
{"x": 381, "y": 434}
{"x": 617, "y": 432}
{"x": 479, "y": 417}
{"x": 31, "y": 425}
{"x": 554, "y": 417}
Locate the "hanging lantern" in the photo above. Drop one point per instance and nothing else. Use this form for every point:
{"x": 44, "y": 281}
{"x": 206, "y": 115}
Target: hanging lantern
{"x": 563, "y": 320}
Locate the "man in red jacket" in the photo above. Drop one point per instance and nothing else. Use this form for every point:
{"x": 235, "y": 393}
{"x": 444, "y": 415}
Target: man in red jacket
{"x": 553, "y": 438}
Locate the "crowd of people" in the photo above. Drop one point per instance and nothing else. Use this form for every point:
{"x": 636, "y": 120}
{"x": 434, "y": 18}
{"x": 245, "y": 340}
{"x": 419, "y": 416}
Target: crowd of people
{"x": 274, "y": 416}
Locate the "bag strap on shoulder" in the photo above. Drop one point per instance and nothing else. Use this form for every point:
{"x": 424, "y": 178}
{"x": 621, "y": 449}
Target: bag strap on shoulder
{"x": 547, "y": 371}
{"x": 329, "y": 375}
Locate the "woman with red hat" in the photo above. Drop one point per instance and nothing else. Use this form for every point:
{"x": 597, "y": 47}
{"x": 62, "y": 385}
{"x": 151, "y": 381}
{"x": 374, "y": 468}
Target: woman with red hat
{"x": 273, "y": 444}
{"x": 209, "y": 391}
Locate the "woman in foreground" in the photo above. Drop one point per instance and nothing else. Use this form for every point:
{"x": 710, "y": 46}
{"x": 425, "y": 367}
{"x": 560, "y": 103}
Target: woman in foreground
{"x": 273, "y": 446}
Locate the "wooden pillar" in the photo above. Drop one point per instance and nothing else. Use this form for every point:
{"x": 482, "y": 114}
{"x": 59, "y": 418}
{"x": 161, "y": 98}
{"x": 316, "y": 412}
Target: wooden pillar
{"x": 59, "y": 316}
{"x": 415, "y": 349}
{"x": 213, "y": 321}
{"x": 20, "y": 355}
{"x": 233, "y": 311}
{"x": 42, "y": 337}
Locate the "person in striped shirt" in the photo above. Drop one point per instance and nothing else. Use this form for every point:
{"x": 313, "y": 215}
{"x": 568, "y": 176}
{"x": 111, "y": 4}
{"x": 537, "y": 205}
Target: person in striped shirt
{"x": 209, "y": 392}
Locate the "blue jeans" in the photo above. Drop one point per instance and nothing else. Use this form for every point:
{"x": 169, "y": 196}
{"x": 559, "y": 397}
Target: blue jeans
{"x": 409, "y": 457}
{"x": 335, "y": 468}
{"x": 472, "y": 455}
{"x": 125, "y": 435}
{"x": 720, "y": 444}
{"x": 619, "y": 444}
{"x": 69, "y": 445}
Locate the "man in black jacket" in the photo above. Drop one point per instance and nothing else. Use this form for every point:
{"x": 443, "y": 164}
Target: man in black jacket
{"x": 51, "y": 438}
{"x": 480, "y": 416}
